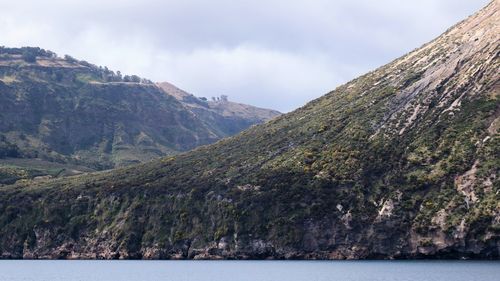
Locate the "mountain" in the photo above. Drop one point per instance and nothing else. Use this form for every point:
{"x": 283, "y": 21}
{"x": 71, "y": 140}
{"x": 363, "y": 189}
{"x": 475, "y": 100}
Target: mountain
{"x": 61, "y": 110}
{"x": 219, "y": 114}
{"x": 402, "y": 162}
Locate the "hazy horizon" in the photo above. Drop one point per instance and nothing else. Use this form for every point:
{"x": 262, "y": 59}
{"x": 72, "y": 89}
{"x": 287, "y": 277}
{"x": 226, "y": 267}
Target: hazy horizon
{"x": 277, "y": 55}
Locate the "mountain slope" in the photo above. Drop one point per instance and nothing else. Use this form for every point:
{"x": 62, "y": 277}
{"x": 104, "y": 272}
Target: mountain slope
{"x": 69, "y": 111}
{"x": 402, "y": 162}
{"x": 222, "y": 116}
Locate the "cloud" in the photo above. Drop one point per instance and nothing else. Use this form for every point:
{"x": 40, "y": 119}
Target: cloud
{"x": 256, "y": 72}
{"x": 275, "y": 53}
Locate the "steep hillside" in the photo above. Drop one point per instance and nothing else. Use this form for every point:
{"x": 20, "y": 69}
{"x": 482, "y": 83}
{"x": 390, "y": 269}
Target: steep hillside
{"x": 402, "y": 162}
{"x": 221, "y": 115}
{"x": 68, "y": 111}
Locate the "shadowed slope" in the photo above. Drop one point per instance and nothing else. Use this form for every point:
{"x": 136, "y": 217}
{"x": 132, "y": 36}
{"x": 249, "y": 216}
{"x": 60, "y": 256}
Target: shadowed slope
{"x": 399, "y": 163}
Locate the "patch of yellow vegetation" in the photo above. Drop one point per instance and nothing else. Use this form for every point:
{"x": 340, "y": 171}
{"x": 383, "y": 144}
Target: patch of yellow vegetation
{"x": 8, "y": 79}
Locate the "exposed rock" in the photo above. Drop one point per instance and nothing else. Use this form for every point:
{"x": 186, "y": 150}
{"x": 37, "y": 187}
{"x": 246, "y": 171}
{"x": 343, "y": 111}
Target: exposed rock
{"x": 465, "y": 184}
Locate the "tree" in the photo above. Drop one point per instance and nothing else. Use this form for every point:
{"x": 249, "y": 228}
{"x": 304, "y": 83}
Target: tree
{"x": 29, "y": 55}
{"x": 8, "y": 149}
{"x": 70, "y": 59}
{"x": 135, "y": 79}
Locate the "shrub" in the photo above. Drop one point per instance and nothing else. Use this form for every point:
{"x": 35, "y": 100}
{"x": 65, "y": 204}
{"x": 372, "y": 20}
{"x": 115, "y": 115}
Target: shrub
{"x": 29, "y": 55}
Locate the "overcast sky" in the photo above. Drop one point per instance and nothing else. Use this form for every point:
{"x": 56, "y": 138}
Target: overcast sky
{"x": 275, "y": 53}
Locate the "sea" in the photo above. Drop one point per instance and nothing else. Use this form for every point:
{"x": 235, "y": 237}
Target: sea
{"x": 133, "y": 270}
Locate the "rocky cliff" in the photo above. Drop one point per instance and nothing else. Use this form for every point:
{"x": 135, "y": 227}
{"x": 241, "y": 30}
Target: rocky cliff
{"x": 402, "y": 162}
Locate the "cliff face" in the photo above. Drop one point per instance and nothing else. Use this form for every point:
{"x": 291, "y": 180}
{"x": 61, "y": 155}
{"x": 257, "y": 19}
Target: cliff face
{"x": 69, "y": 111}
{"x": 402, "y": 162}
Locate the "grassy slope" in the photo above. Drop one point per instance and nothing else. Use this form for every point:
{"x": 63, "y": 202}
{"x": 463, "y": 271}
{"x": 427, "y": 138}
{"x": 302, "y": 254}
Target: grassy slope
{"x": 401, "y": 162}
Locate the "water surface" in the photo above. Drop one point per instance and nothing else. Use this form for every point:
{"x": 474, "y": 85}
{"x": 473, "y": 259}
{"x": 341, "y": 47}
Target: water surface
{"x": 29, "y": 270}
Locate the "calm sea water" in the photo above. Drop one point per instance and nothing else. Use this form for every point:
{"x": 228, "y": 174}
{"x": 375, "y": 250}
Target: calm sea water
{"x": 249, "y": 270}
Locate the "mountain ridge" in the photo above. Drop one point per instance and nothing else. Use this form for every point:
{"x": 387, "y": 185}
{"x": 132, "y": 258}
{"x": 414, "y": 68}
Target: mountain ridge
{"x": 401, "y": 162}
{"x": 222, "y": 115}
{"x": 69, "y": 111}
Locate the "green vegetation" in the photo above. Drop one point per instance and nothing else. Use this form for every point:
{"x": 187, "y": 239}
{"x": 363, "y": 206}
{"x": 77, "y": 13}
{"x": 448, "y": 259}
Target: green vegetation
{"x": 7, "y": 149}
{"x": 399, "y": 163}
{"x": 71, "y": 112}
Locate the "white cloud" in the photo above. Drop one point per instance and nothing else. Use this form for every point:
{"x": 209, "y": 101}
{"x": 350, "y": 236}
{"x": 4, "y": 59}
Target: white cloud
{"x": 251, "y": 74}
{"x": 273, "y": 53}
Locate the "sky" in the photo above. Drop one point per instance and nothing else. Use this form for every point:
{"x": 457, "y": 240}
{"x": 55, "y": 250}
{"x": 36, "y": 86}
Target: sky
{"x": 276, "y": 54}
